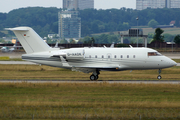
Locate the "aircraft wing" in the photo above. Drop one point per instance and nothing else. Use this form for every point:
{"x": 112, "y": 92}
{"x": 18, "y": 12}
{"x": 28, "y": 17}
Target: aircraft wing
{"x": 88, "y": 68}
{"x": 91, "y": 69}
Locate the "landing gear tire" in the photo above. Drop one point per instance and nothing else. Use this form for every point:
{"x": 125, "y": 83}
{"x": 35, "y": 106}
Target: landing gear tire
{"x": 97, "y": 77}
{"x": 93, "y": 77}
{"x": 159, "y": 77}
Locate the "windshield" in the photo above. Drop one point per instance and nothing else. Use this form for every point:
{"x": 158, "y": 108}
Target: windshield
{"x": 154, "y": 54}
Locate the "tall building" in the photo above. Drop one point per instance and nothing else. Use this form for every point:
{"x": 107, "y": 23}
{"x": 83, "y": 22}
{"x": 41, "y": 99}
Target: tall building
{"x": 144, "y": 4}
{"x": 78, "y": 4}
{"x": 174, "y": 3}
{"x": 70, "y": 4}
{"x": 84, "y": 4}
{"x": 69, "y": 24}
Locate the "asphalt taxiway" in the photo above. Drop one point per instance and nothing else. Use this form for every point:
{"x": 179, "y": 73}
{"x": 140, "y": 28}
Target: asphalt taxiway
{"x": 100, "y": 81}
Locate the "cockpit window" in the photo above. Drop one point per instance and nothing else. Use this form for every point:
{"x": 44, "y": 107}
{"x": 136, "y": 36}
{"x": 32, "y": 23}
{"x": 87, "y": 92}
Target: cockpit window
{"x": 154, "y": 54}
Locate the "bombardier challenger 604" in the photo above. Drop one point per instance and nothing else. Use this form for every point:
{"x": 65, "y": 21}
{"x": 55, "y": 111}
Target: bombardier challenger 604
{"x": 89, "y": 59}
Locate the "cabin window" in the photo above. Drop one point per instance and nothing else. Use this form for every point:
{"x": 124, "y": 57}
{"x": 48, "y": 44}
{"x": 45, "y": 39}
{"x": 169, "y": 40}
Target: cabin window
{"x": 154, "y": 54}
{"x": 89, "y": 56}
{"x": 109, "y": 56}
{"x": 121, "y": 56}
{"x": 96, "y": 56}
{"x": 102, "y": 56}
{"x": 127, "y": 56}
{"x": 115, "y": 56}
{"x": 134, "y": 56}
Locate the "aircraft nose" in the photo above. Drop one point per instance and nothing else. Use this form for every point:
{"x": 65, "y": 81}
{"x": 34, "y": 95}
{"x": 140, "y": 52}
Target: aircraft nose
{"x": 172, "y": 63}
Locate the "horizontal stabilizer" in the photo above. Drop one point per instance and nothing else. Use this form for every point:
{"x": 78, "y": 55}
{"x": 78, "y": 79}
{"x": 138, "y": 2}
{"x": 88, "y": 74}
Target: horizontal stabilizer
{"x": 18, "y": 29}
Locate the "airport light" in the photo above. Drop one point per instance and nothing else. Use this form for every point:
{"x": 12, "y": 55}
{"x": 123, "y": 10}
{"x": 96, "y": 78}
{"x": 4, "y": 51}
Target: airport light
{"x": 137, "y": 30}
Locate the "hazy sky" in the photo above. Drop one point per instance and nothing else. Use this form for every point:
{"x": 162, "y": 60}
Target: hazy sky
{"x": 8, "y": 5}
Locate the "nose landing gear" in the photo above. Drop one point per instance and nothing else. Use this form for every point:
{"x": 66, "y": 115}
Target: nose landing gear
{"x": 159, "y": 76}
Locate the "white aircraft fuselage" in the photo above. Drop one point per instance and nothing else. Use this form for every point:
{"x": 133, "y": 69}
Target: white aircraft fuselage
{"x": 92, "y": 59}
{"x": 116, "y": 59}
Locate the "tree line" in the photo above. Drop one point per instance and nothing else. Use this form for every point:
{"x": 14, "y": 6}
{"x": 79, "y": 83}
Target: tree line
{"x": 45, "y": 20}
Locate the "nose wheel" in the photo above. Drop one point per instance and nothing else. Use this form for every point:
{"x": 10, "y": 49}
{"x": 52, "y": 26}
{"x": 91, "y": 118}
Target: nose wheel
{"x": 159, "y": 76}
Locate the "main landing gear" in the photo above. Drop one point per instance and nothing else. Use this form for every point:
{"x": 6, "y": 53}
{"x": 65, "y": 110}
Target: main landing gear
{"x": 159, "y": 76}
{"x": 95, "y": 75}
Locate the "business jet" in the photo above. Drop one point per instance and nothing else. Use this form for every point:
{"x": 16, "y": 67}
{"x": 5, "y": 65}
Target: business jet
{"x": 89, "y": 59}
{"x": 6, "y": 49}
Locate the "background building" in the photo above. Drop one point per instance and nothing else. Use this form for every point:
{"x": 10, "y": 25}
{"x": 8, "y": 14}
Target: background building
{"x": 70, "y": 4}
{"x": 69, "y": 24}
{"x": 174, "y": 3}
{"x": 84, "y": 4}
{"x": 144, "y": 4}
{"x": 78, "y": 4}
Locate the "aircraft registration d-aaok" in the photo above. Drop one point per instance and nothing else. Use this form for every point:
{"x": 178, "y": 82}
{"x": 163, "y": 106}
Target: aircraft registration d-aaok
{"x": 89, "y": 59}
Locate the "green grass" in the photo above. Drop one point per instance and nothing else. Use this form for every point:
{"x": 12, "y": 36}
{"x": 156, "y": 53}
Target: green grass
{"x": 105, "y": 95}
{"x": 76, "y": 100}
{"x": 177, "y": 60}
{"x": 173, "y": 31}
{"x": 10, "y": 59}
{"x": 146, "y": 31}
{"x": 36, "y": 72}
{"x": 4, "y": 58}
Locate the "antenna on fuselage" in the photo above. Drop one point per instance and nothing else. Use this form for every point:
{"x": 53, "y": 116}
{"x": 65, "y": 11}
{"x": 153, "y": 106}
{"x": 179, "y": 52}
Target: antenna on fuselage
{"x": 130, "y": 46}
{"x": 56, "y": 45}
{"x": 112, "y": 45}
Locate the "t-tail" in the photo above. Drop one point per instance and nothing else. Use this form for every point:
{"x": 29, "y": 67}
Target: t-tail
{"x": 30, "y": 40}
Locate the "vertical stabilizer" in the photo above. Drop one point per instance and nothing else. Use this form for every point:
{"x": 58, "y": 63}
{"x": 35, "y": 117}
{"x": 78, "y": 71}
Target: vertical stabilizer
{"x": 30, "y": 40}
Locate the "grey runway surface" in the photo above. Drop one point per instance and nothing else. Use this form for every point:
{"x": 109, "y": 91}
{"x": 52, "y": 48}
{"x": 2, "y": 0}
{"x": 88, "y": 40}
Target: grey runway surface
{"x": 17, "y": 62}
{"x": 81, "y": 81}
